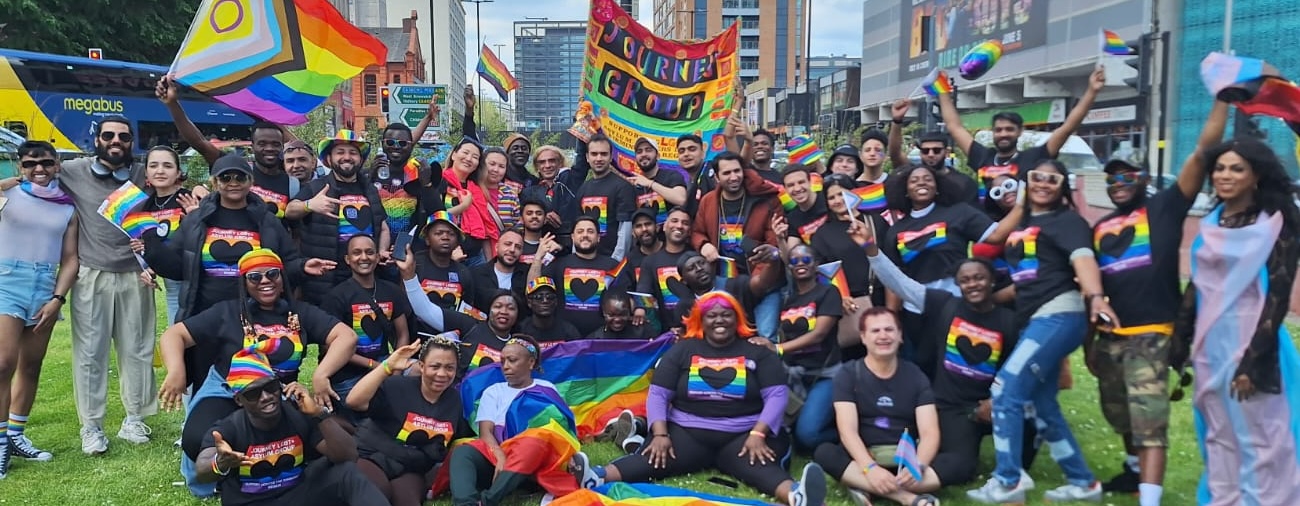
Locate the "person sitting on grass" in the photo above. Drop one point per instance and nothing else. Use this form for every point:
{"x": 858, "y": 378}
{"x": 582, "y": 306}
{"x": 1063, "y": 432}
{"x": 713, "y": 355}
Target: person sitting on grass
{"x": 412, "y": 420}
{"x": 269, "y": 451}
{"x": 876, "y": 400}
{"x": 519, "y": 440}
{"x": 616, "y": 308}
{"x": 716, "y": 401}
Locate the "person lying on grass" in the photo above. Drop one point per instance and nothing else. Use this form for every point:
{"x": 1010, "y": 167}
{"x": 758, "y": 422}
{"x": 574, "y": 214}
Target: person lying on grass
{"x": 716, "y": 401}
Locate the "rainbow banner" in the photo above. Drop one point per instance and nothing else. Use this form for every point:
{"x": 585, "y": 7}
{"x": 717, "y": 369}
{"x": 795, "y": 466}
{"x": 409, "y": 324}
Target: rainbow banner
{"x": 871, "y": 198}
{"x": 117, "y": 207}
{"x": 833, "y": 274}
{"x": 273, "y": 59}
{"x": 1113, "y": 45}
{"x": 136, "y": 224}
{"x": 648, "y": 494}
{"x": 635, "y": 85}
{"x": 496, "y": 73}
{"x": 597, "y": 378}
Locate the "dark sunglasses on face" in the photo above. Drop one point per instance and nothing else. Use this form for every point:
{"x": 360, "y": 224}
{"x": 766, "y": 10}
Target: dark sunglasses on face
{"x": 256, "y": 277}
{"x": 397, "y": 143}
{"x": 543, "y": 296}
{"x": 1040, "y": 176}
{"x": 255, "y": 394}
{"x": 122, "y": 136}
{"x": 931, "y": 151}
{"x": 1123, "y": 178}
{"x": 44, "y": 162}
{"x": 232, "y": 177}
{"x": 801, "y": 260}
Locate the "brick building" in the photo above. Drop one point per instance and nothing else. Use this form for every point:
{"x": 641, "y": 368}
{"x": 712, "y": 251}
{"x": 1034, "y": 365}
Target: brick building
{"x": 405, "y": 64}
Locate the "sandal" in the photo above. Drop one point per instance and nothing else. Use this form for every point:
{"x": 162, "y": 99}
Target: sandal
{"x": 925, "y": 500}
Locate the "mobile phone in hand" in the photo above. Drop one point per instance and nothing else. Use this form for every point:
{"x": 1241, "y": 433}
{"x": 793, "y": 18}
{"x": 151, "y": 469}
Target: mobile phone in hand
{"x": 404, "y": 240}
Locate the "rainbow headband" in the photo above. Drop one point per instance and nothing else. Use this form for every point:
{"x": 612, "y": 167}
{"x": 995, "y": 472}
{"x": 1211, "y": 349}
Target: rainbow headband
{"x": 260, "y": 257}
{"x": 249, "y": 365}
{"x": 716, "y": 299}
{"x": 532, "y": 349}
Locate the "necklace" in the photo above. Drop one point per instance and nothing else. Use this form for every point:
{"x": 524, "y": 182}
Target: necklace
{"x": 165, "y": 201}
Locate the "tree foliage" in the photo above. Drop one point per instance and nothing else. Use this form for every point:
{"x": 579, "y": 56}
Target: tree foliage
{"x": 128, "y": 30}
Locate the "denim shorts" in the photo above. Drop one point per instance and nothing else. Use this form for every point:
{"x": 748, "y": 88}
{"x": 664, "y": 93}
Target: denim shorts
{"x": 25, "y": 287}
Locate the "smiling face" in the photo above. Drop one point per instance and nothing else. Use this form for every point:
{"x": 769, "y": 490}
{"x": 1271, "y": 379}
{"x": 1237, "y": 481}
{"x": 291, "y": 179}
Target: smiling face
{"x": 617, "y": 313}
{"x": 465, "y": 158}
{"x": 361, "y": 256}
{"x": 1005, "y": 136}
{"x": 113, "y": 144}
{"x": 798, "y": 186}
{"x": 647, "y": 157}
{"x": 345, "y": 160}
{"x": 261, "y": 399}
{"x": 268, "y": 144}
{"x": 517, "y": 365}
{"x": 1124, "y": 186}
{"x": 872, "y": 153}
{"x": 585, "y": 237}
{"x": 921, "y": 187}
{"x": 720, "y": 324}
{"x": 299, "y": 163}
{"x": 802, "y": 263}
{"x": 542, "y": 302}
{"x": 518, "y": 152}
{"x": 509, "y": 247}
{"x": 689, "y": 155}
{"x": 39, "y": 167}
{"x": 397, "y": 145}
{"x": 1008, "y": 199}
{"x": 762, "y": 149}
{"x": 881, "y": 335}
{"x": 503, "y": 314}
{"x": 548, "y": 163}
{"x": 835, "y": 200}
{"x": 644, "y": 230}
{"x": 495, "y": 168}
{"x": 1233, "y": 177}
{"x": 844, "y": 164}
{"x": 533, "y": 217}
{"x": 161, "y": 170}
{"x": 232, "y": 185}
{"x": 1045, "y": 187}
{"x": 731, "y": 178}
{"x": 438, "y": 370}
{"x": 265, "y": 290}
{"x": 933, "y": 153}
{"x": 975, "y": 282}
{"x": 677, "y": 230}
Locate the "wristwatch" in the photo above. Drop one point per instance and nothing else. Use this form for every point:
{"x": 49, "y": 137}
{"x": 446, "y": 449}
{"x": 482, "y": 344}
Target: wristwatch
{"x": 324, "y": 415}
{"x": 61, "y": 298}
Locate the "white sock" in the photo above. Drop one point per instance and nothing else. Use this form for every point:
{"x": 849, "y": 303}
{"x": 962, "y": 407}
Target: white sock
{"x": 1149, "y": 494}
{"x": 1131, "y": 462}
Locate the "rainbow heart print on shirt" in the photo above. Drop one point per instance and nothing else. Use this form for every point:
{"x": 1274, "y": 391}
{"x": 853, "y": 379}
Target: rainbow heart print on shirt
{"x": 653, "y": 200}
{"x": 355, "y": 217}
{"x": 1123, "y": 242}
{"x": 370, "y": 333}
{"x": 597, "y": 207}
{"x": 399, "y": 206}
{"x": 912, "y": 242}
{"x": 582, "y": 288}
{"x": 972, "y": 351}
{"x": 273, "y": 199}
{"x": 418, "y": 430}
{"x": 668, "y": 276}
{"x": 446, "y": 294}
{"x": 273, "y": 466}
{"x": 483, "y": 355}
{"x": 222, "y": 249}
{"x": 730, "y": 236}
{"x": 286, "y": 357}
{"x": 716, "y": 379}
{"x": 1021, "y": 254}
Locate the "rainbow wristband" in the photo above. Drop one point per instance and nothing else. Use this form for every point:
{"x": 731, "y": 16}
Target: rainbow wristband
{"x": 216, "y": 470}
{"x": 387, "y": 370}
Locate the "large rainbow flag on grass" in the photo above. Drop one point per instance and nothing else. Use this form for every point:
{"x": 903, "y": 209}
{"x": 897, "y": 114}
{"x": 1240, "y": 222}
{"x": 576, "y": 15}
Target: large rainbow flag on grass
{"x": 646, "y": 494}
{"x": 273, "y": 59}
{"x": 597, "y": 378}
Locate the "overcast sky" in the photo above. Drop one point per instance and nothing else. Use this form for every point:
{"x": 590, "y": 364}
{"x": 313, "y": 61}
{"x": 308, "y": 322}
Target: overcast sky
{"x": 837, "y": 24}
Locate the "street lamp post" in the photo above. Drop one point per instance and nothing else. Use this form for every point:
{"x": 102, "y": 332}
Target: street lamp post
{"x": 478, "y": 32}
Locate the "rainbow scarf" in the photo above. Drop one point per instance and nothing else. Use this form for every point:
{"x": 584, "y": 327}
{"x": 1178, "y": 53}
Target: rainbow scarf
{"x": 496, "y": 73}
{"x": 597, "y": 378}
{"x": 646, "y": 494}
{"x": 275, "y": 59}
{"x": 51, "y": 193}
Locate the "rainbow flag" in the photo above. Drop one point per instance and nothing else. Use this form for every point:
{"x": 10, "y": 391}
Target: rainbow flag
{"x": 118, "y": 205}
{"x": 136, "y": 224}
{"x": 815, "y": 182}
{"x": 787, "y": 202}
{"x": 727, "y": 268}
{"x": 597, "y": 378}
{"x": 906, "y": 457}
{"x": 644, "y": 301}
{"x": 648, "y": 494}
{"x": 803, "y": 149}
{"x": 871, "y": 198}
{"x": 1113, "y": 45}
{"x": 472, "y": 311}
{"x": 936, "y": 83}
{"x": 613, "y": 274}
{"x": 833, "y": 274}
{"x": 496, "y": 73}
{"x": 273, "y": 59}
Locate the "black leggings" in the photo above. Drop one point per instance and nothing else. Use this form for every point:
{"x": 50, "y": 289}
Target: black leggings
{"x": 959, "y": 445}
{"x": 699, "y": 449}
{"x": 407, "y": 489}
{"x": 325, "y": 482}
{"x": 200, "y": 421}
{"x": 470, "y": 471}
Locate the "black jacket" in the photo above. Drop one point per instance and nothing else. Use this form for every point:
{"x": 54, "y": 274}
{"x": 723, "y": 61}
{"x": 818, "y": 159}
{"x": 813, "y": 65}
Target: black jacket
{"x": 485, "y": 285}
{"x": 563, "y": 195}
{"x": 320, "y": 238}
{"x": 181, "y": 258}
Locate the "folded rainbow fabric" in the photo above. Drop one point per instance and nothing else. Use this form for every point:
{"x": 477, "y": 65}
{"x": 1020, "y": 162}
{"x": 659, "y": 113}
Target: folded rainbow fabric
{"x": 803, "y": 150}
{"x": 646, "y": 494}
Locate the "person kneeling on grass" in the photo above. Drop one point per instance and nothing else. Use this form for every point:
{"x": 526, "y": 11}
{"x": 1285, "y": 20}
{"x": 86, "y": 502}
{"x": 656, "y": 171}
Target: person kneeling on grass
{"x": 875, "y": 400}
{"x": 412, "y": 420}
{"x": 269, "y": 452}
{"x": 716, "y": 400}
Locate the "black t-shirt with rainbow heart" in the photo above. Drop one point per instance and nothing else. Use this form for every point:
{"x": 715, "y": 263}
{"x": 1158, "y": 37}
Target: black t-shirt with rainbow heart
{"x": 355, "y": 305}
{"x": 718, "y": 382}
{"x": 403, "y": 427}
{"x": 278, "y": 457}
{"x": 1138, "y": 255}
{"x": 219, "y": 331}
{"x": 799, "y": 316}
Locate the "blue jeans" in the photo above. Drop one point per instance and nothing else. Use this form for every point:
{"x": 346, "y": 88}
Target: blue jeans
{"x": 815, "y": 424}
{"x": 174, "y": 289}
{"x": 1028, "y": 380}
{"x": 767, "y": 314}
{"x": 213, "y": 386}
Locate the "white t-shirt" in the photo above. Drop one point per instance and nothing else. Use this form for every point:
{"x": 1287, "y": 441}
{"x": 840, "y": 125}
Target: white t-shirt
{"x": 504, "y": 279}
{"x": 496, "y": 400}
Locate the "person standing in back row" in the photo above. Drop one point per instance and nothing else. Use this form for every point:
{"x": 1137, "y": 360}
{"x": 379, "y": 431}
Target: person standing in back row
{"x": 608, "y": 198}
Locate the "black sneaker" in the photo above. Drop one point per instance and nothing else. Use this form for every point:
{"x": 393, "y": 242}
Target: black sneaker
{"x": 23, "y": 448}
{"x": 1126, "y": 482}
{"x": 4, "y": 457}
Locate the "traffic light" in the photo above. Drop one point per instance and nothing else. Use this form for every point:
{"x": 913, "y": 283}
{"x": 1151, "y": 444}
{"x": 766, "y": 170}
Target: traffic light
{"x": 1140, "y": 55}
{"x": 383, "y": 99}
{"x": 95, "y": 53}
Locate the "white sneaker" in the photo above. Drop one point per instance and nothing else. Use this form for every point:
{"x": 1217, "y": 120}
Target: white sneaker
{"x": 1026, "y": 481}
{"x": 93, "y": 441}
{"x": 811, "y": 489}
{"x": 582, "y": 470}
{"x": 135, "y": 432}
{"x": 1075, "y": 493}
{"x": 994, "y": 493}
{"x": 24, "y": 449}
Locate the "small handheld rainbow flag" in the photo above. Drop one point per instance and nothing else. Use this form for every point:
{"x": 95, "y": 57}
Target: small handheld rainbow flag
{"x": 833, "y": 274}
{"x": 1113, "y": 45}
{"x": 727, "y": 268}
{"x": 815, "y": 182}
{"x": 472, "y": 311}
{"x": 118, "y": 205}
{"x": 906, "y": 457}
{"x": 612, "y": 275}
{"x": 644, "y": 300}
{"x": 871, "y": 198}
{"x": 496, "y": 73}
{"x": 136, "y": 224}
{"x": 803, "y": 149}
{"x": 787, "y": 202}
{"x": 936, "y": 83}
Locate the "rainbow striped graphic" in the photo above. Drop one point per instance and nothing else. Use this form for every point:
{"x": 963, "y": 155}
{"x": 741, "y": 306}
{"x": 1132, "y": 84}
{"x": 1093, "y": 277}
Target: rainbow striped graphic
{"x": 815, "y": 182}
{"x": 136, "y": 224}
{"x": 1108, "y": 239}
{"x": 664, "y": 275}
{"x": 727, "y": 268}
{"x": 979, "y": 60}
{"x": 787, "y": 202}
{"x": 647, "y": 494}
{"x": 803, "y": 149}
{"x": 833, "y": 274}
{"x": 613, "y": 274}
{"x": 936, "y": 83}
{"x": 118, "y": 205}
{"x": 973, "y": 336}
{"x": 1112, "y": 44}
{"x": 938, "y": 233}
{"x": 273, "y": 59}
{"x": 496, "y": 73}
{"x": 698, "y": 388}
{"x": 872, "y": 197}
{"x": 1026, "y": 241}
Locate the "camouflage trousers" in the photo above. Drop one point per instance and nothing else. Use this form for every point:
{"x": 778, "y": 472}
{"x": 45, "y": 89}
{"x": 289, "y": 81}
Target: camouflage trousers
{"x": 1133, "y": 378}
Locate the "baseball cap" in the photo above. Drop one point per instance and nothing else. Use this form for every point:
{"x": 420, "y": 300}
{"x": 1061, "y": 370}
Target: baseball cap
{"x": 540, "y": 283}
{"x": 1120, "y": 165}
{"x": 228, "y": 163}
{"x": 645, "y": 211}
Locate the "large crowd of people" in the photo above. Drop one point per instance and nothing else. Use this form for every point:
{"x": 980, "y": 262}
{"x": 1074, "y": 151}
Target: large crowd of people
{"x": 958, "y": 307}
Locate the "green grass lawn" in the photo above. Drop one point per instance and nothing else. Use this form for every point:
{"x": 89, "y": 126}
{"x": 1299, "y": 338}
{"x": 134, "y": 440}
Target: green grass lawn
{"x": 145, "y": 474}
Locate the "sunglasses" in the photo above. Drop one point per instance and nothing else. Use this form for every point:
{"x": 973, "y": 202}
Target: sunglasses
{"x": 44, "y": 162}
{"x": 232, "y": 177}
{"x": 1042, "y": 176}
{"x": 801, "y": 260}
{"x": 932, "y": 151}
{"x": 1007, "y": 187}
{"x": 256, "y": 277}
{"x": 1123, "y": 178}
{"x": 396, "y": 143}
{"x": 122, "y": 136}
{"x": 255, "y": 394}
{"x": 1184, "y": 381}
{"x": 543, "y": 296}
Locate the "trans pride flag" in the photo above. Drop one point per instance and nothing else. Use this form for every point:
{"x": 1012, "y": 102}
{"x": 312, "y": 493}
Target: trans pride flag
{"x": 273, "y": 59}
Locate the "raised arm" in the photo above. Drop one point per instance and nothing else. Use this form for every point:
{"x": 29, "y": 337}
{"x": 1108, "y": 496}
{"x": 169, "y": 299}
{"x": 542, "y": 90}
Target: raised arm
{"x": 429, "y": 115}
{"x": 167, "y": 92}
{"x": 961, "y": 137}
{"x": 1193, "y": 174}
{"x": 468, "y": 127}
{"x": 1062, "y": 133}
{"x": 899, "y": 111}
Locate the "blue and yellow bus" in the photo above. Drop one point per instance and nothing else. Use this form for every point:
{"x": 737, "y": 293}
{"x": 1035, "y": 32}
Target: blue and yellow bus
{"x": 60, "y": 99}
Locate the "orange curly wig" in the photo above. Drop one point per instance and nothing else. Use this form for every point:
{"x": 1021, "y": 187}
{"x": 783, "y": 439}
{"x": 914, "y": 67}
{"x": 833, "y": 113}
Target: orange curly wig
{"x": 694, "y": 321}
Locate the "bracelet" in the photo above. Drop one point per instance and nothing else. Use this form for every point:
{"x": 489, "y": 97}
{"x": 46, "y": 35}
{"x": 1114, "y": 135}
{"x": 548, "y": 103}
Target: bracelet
{"x": 869, "y": 467}
{"x": 306, "y": 204}
{"x": 780, "y": 350}
{"x": 370, "y": 363}
{"x": 387, "y": 369}
{"x": 757, "y": 433}
{"x": 61, "y": 298}
{"x": 216, "y": 470}
{"x": 661, "y": 435}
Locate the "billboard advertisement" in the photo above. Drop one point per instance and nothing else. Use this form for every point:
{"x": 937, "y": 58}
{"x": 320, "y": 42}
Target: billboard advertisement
{"x": 961, "y": 24}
